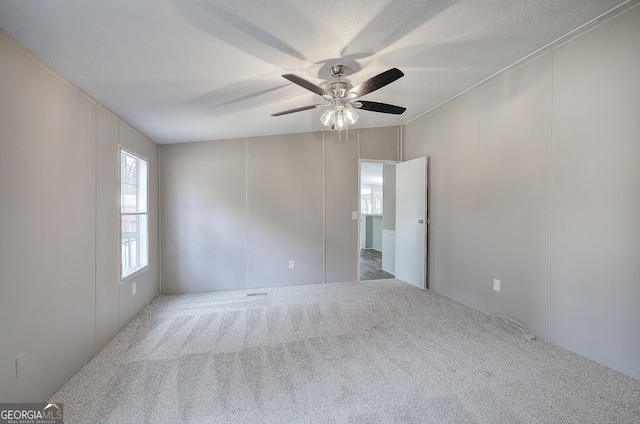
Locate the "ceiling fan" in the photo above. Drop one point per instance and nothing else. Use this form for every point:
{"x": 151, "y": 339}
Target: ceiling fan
{"x": 340, "y": 97}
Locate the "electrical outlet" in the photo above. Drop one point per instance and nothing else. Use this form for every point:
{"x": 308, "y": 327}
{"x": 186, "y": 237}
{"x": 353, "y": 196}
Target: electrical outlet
{"x": 21, "y": 364}
{"x": 496, "y": 285}
{"x": 133, "y": 288}
{"x": 354, "y": 215}
{"x": 292, "y": 264}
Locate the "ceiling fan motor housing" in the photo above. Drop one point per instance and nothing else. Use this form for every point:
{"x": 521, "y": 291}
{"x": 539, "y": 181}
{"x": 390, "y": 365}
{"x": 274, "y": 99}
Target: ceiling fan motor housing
{"x": 337, "y": 89}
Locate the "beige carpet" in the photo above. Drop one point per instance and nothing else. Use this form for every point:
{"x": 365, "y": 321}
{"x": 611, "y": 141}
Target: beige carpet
{"x": 370, "y": 352}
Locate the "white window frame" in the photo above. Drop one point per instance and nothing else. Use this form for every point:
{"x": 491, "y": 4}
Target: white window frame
{"x": 134, "y": 251}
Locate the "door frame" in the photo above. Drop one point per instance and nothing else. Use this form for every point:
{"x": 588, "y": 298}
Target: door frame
{"x": 360, "y": 161}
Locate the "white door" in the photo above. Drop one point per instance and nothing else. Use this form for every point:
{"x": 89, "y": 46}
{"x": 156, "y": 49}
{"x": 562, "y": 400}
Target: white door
{"x": 411, "y": 222}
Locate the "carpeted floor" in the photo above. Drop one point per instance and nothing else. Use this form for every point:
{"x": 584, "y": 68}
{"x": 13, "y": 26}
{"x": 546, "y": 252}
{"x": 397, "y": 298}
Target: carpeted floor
{"x": 368, "y": 352}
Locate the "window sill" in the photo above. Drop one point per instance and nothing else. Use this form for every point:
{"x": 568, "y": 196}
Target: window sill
{"x": 134, "y": 273}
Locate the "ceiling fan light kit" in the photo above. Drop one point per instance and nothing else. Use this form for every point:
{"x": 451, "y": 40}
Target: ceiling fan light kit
{"x": 339, "y": 115}
{"x": 340, "y": 97}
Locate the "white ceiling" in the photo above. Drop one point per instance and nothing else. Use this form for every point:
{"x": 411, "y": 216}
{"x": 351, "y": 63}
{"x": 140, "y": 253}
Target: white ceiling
{"x": 191, "y": 70}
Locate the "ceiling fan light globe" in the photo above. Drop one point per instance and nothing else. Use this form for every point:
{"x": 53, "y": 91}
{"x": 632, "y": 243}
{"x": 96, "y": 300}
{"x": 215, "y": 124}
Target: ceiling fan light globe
{"x": 350, "y": 115}
{"x": 341, "y": 120}
{"x": 327, "y": 117}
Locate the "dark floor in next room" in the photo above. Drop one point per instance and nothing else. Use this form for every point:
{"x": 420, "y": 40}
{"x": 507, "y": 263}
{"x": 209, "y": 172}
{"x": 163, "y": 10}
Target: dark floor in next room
{"x": 371, "y": 265}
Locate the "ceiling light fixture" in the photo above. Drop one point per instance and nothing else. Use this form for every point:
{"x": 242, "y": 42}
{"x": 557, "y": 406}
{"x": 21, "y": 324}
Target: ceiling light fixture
{"x": 339, "y": 115}
{"x": 341, "y": 112}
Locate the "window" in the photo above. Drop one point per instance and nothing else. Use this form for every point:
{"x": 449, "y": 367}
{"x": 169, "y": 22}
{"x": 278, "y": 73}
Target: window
{"x": 134, "y": 230}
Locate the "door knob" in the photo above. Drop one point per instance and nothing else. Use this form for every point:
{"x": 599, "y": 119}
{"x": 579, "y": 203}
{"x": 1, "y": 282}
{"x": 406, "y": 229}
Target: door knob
{"x": 421, "y": 221}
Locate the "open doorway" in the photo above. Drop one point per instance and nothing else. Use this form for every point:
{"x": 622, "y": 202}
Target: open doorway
{"x": 377, "y": 220}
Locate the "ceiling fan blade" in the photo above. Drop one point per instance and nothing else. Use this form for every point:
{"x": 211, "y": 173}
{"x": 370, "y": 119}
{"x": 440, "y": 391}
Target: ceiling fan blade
{"x": 298, "y": 109}
{"x": 380, "y": 107}
{"x": 305, "y": 84}
{"x": 379, "y": 81}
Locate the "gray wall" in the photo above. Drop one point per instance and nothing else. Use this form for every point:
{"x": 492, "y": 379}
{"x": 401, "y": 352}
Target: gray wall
{"x": 595, "y": 207}
{"x": 535, "y": 180}
{"x": 204, "y": 210}
{"x": 235, "y": 212}
{"x": 60, "y": 297}
{"x": 371, "y": 231}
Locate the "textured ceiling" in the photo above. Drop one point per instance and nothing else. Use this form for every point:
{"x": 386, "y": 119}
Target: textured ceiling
{"x": 191, "y": 70}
